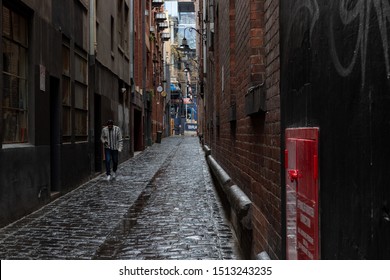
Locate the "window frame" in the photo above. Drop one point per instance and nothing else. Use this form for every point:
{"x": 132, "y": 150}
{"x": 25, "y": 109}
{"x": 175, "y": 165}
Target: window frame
{"x": 16, "y": 41}
{"x": 81, "y": 109}
{"x": 66, "y": 133}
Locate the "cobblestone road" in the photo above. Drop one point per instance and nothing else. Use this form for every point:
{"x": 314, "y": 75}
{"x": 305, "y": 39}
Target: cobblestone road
{"x": 162, "y": 205}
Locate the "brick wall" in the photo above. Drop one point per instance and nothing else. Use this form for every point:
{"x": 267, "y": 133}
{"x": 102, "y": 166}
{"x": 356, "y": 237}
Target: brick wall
{"x": 272, "y": 141}
{"x": 248, "y": 148}
{"x": 138, "y": 44}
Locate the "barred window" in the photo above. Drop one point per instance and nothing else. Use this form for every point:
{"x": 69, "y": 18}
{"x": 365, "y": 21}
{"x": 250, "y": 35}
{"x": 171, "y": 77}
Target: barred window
{"x": 15, "y": 91}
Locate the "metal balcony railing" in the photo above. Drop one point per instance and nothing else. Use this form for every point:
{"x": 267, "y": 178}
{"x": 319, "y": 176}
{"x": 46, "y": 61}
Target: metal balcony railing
{"x": 157, "y": 3}
{"x": 163, "y": 25}
{"x": 160, "y": 17}
{"x": 165, "y": 36}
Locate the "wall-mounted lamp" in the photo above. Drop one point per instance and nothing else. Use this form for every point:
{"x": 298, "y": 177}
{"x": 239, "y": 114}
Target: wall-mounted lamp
{"x": 184, "y": 44}
{"x": 123, "y": 90}
{"x": 201, "y": 32}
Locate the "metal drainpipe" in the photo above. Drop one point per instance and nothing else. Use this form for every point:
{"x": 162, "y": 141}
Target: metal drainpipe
{"x": 131, "y": 41}
{"x": 92, "y": 26}
{"x": 168, "y": 97}
{"x": 91, "y": 85}
{"x": 131, "y": 90}
{"x": 143, "y": 38}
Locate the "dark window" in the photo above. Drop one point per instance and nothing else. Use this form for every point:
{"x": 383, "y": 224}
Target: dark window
{"x": 15, "y": 91}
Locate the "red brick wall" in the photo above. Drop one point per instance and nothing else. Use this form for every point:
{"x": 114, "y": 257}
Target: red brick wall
{"x": 138, "y": 44}
{"x": 268, "y": 200}
{"x": 249, "y": 148}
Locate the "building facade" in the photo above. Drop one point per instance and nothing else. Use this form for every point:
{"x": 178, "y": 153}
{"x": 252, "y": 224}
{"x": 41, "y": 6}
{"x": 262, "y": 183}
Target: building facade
{"x": 150, "y": 24}
{"x": 46, "y": 123}
{"x": 244, "y": 139}
{"x": 296, "y": 113}
{"x": 68, "y": 67}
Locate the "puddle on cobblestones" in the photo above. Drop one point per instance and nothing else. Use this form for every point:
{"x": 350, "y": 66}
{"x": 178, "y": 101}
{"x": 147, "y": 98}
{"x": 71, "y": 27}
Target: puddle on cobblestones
{"x": 112, "y": 244}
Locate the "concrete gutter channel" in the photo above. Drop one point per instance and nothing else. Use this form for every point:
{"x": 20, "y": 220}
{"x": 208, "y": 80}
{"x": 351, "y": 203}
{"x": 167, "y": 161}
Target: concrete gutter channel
{"x": 237, "y": 204}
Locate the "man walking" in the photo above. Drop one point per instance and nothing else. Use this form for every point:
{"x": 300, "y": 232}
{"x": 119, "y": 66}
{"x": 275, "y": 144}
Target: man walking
{"x": 111, "y": 138}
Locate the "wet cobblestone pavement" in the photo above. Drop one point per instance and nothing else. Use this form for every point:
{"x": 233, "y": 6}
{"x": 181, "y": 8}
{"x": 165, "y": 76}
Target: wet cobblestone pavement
{"x": 162, "y": 205}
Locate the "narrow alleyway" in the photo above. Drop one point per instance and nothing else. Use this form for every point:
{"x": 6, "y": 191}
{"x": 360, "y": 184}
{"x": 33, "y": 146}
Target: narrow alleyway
{"x": 162, "y": 205}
